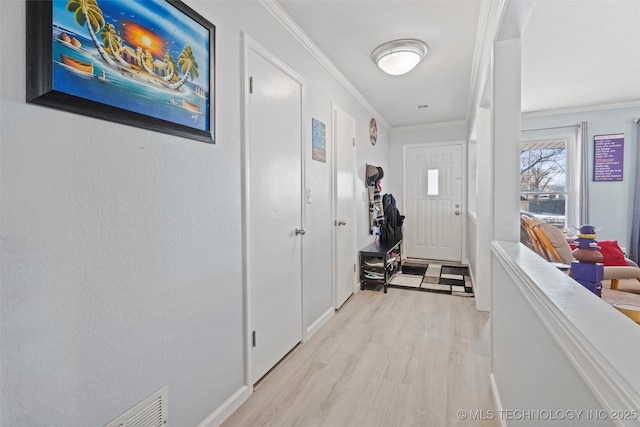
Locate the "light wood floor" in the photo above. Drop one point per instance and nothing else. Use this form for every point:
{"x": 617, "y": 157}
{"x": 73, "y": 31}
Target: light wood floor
{"x": 405, "y": 358}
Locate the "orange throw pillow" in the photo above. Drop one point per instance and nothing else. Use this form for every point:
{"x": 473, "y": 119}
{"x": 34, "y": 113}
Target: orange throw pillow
{"x": 611, "y": 252}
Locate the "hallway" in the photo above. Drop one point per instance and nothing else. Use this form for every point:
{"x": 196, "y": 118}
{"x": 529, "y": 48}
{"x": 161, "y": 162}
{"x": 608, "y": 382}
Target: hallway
{"x": 406, "y": 358}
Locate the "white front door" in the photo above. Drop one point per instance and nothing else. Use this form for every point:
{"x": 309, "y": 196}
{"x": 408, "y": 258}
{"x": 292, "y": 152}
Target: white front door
{"x": 274, "y": 185}
{"x": 344, "y": 133}
{"x": 433, "y": 188}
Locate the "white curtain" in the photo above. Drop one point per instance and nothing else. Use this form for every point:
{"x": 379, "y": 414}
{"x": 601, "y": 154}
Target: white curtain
{"x": 634, "y": 250}
{"x": 583, "y": 173}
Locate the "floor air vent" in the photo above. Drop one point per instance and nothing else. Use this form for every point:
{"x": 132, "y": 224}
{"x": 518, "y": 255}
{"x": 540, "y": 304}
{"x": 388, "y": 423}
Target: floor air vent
{"x": 151, "y": 412}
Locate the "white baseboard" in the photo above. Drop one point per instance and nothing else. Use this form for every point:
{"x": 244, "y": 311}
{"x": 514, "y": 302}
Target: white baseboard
{"x": 496, "y": 399}
{"x": 315, "y": 327}
{"x": 480, "y": 305}
{"x": 224, "y": 411}
{"x": 472, "y": 276}
{"x": 473, "y": 286}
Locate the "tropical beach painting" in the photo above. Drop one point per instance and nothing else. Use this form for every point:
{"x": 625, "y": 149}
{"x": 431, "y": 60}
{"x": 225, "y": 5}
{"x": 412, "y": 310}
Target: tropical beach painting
{"x": 144, "y": 63}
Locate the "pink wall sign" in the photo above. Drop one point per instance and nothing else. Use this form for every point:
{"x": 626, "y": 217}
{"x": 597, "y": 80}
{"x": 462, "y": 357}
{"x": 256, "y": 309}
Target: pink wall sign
{"x": 608, "y": 157}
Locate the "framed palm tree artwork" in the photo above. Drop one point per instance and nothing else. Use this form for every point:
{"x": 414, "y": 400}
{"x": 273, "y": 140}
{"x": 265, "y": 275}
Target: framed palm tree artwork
{"x": 146, "y": 63}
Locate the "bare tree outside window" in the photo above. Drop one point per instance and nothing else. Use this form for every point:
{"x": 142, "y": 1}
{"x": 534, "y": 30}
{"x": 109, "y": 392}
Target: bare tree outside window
{"x": 543, "y": 180}
{"x": 542, "y": 170}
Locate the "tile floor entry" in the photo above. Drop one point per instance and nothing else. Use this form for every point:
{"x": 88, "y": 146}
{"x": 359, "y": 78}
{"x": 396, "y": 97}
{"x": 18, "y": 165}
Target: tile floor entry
{"x": 434, "y": 276}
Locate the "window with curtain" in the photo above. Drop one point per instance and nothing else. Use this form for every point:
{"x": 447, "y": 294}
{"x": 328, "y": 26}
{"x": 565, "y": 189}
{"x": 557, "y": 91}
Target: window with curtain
{"x": 559, "y": 154}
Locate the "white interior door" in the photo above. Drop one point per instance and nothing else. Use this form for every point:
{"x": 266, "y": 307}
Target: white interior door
{"x": 344, "y": 133}
{"x": 433, "y": 188}
{"x": 274, "y": 175}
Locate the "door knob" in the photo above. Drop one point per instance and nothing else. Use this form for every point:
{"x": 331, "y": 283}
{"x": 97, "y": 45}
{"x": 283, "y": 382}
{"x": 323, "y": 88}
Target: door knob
{"x": 457, "y": 212}
{"x": 300, "y": 231}
{"x": 342, "y": 222}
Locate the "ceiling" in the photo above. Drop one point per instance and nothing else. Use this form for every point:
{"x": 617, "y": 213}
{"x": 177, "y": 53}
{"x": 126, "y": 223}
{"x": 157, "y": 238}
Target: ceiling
{"x": 575, "y": 53}
{"x": 581, "y": 53}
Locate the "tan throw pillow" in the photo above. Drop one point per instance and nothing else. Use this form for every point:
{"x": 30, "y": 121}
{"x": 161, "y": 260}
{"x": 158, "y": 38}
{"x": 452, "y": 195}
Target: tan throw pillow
{"x": 558, "y": 241}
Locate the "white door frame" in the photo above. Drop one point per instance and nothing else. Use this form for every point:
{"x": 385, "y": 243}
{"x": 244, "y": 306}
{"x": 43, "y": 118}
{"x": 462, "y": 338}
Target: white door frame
{"x": 334, "y": 206}
{"x": 463, "y": 147}
{"x": 250, "y": 44}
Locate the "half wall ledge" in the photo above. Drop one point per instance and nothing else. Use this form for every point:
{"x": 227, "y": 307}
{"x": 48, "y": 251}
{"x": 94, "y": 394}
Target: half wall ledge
{"x": 557, "y": 346}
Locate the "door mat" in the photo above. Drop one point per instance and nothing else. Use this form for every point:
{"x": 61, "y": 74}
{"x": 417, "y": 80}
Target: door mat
{"x": 406, "y": 280}
{"x": 416, "y": 270}
{"x": 434, "y": 277}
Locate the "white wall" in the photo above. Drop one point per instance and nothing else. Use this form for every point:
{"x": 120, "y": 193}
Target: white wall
{"x": 377, "y": 155}
{"x": 481, "y": 222}
{"x": 121, "y": 247}
{"x": 610, "y": 203}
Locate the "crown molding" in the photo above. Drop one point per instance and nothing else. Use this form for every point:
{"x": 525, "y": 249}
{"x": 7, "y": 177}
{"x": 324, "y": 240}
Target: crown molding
{"x": 581, "y": 109}
{"x": 290, "y": 25}
{"x": 428, "y": 126}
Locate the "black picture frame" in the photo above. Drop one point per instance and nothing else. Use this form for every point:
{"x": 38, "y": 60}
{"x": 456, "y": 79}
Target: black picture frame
{"x": 46, "y": 69}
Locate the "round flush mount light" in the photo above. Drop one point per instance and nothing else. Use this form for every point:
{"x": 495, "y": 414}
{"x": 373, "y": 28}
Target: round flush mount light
{"x": 399, "y": 56}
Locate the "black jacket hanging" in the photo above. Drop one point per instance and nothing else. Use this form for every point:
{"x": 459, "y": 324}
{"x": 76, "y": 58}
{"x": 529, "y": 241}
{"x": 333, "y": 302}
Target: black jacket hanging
{"x": 391, "y": 230}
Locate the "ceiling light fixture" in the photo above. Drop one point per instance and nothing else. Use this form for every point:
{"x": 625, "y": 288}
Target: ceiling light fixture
{"x": 399, "y": 56}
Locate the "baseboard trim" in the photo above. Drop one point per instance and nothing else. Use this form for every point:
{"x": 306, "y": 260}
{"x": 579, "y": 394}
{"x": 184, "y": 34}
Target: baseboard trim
{"x": 224, "y": 411}
{"x": 315, "y": 327}
{"x": 472, "y": 276}
{"x": 498, "y": 402}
